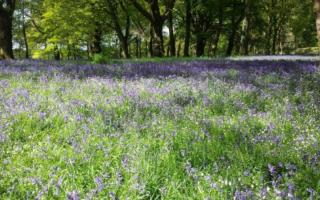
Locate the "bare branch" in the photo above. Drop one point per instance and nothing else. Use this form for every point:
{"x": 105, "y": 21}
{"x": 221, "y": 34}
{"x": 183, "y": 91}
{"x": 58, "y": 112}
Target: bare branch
{"x": 142, "y": 10}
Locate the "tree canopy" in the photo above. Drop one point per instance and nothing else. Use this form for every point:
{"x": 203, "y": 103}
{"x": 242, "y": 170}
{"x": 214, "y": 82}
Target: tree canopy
{"x": 80, "y": 29}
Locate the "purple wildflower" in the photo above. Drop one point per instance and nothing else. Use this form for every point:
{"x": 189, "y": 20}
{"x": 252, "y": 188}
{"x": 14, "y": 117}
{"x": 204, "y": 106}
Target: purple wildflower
{"x": 99, "y": 183}
{"x": 243, "y": 195}
{"x": 120, "y": 178}
{"x": 3, "y": 137}
{"x": 312, "y": 193}
{"x": 291, "y": 189}
{"x": 73, "y": 195}
{"x": 246, "y": 173}
{"x": 125, "y": 161}
{"x": 113, "y": 196}
{"x": 263, "y": 193}
{"x": 272, "y": 169}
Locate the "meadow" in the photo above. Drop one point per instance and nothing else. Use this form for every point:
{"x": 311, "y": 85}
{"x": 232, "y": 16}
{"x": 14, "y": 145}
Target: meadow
{"x": 202, "y": 129}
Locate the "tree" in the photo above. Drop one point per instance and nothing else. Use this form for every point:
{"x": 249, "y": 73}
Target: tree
{"x": 237, "y": 15}
{"x": 24, "y": 27}
{"x": 317, "y": 10}
{"x": 304, "y": 25}
{"x": 96, "y": 11}
{"x": 246, "y": 27}
{"x": 123, "y": 36}
{"x": 201, "y": 23}
{"x": 157, "y": 20}
{"x": 187, "y": 37}
{"x": 7, "y": 8}
{"x": 54, "y": 20}
{"x": 172, "y": 40}
{"x": 207, "y": 20}
{"x": 21, "y": 23}
{"x": 54, "y": 29}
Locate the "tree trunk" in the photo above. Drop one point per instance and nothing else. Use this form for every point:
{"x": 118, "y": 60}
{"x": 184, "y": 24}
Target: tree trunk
{"x": 210, "y": 48}
{"x": 25, "y": 41}
{"x": 231, "y": 38}
{"x": 179, "y": 49}
{"x": 96, "y": 43}
{"x": 88, "y": 50}
{"x": 123, "y": 38}
{"x": 231, "y": 42}
{"x": 157, "y": 20}
{"x": 274, "y": 38}
{"x": 158, "y": 48}
{"x": 216, "y": 43}
{"x": 140, "y": 48}
{"x": 220, "y": 27}
{"x": 125, "y": 47}
{"x": 232, "y": 34}
{"x": 69, "y": 52}
{"x": 188, "y": 28}
{"x": 74, "y": 52}
{"x": 150, "y": 45}
{"x": 120, "y": 51}
{"x": 246, "y": 25}
{"x": 56, "y": 53}
{"x": 270, "y": 32}
{"x": 317, "y": 10}
{"x": 200, "y": 46}
{"x": 138, "y": 43}
{"x": 171, "y": 35}
{"x": 147, "y": 52}
{"x": 157, "y": 25}
{"x": 126, "y": 43}
{"x": 6, "y": 51}
{"x": 268, "y": 38}
{"x": 234, "y": 23}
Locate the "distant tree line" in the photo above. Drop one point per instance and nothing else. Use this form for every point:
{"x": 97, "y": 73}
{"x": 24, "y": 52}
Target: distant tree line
{"x": 77, "y": 29}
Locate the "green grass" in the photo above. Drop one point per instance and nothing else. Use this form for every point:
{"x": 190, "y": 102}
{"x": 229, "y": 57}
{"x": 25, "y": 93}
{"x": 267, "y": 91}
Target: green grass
{"x": 169, "y": 138}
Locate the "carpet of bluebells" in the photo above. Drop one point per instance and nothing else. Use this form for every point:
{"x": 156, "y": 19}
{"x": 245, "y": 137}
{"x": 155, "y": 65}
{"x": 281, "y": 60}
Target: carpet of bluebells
{"x": 206, "y": 129}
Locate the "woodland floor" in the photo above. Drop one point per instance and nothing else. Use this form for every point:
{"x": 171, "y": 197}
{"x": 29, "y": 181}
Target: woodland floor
{"x": 188, "y": 129}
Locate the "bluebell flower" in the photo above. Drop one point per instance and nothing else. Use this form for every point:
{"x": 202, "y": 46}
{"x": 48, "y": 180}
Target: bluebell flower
{"x": 99, "y": 182}
{"x": 73, "y": 195}
{"x": 272, "y": 169}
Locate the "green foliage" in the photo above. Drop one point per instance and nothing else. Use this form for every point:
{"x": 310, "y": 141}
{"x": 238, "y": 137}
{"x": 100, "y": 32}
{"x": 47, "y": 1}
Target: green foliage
{"x": 265, "y": 27}
{"x": 308, "y": 51}
{"x": 99, "y": 59}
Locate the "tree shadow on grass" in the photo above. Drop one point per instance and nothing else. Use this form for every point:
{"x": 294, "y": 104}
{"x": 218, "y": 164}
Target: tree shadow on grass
{"x": 157, "y": 69}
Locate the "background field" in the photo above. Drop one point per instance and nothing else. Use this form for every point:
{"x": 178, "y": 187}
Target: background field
{"x": 205, "y": 129}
